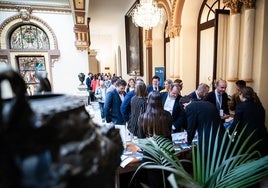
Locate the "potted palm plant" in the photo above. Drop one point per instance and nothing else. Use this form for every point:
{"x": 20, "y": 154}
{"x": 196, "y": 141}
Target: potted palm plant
{"x": 227, "y": 166}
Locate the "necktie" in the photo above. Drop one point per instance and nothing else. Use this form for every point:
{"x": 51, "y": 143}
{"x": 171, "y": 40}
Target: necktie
{"x": 155, "y": 88}
{"x": 219, "y": 101}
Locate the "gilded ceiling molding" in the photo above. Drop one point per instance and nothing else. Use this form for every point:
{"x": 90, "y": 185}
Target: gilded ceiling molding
{"x": 234, "y": 5}
{"x": 166, "y": 5}
{"x": 249, "y": 4}
{"x": 173, "y": 10}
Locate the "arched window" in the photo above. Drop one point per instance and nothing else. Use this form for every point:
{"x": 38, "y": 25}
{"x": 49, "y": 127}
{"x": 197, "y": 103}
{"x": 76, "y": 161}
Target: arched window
{"x": 211, "y": 41}
{"x": 29, "y": 37}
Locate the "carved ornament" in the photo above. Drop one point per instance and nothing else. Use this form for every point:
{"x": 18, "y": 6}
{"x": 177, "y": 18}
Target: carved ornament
{"x": 234, "y": 5}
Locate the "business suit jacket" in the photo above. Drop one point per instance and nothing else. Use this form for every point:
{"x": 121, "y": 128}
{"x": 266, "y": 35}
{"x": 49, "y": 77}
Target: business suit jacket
{"x": 179, "y": 121}
{"x": 112, "y": 108}
{"x": 151, "y": 88}
{"x": 201, "y": 116}
{"x": 251, "y": 115}
{"x": 211, "y": 97}
{"x": 194, "y": 96}
{"x": 125, "y": 107}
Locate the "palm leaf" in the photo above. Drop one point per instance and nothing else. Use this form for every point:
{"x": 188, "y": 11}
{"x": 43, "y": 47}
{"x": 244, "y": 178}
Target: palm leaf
{"x": 227, "y": 164}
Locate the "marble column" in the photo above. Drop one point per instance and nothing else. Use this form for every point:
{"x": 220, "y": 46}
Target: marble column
{"x": 233, "y": 52}
{"x": 177, "y": 56}
{"x": 248, "y": 35}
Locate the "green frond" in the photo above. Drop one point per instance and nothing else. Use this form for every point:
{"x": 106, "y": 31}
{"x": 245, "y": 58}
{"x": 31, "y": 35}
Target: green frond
{"x": 223, "y": 162}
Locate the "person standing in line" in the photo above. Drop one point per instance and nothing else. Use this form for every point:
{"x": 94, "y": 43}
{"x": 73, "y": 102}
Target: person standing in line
{"x": 167, "y": 85}
{"x": 112, "y": 103}
{"x": 130, "y": 85}
{"x": 113, "y": 84}
{"x": 251, "y": 115}
{"x": 89, "y": 89}
{"x": 100, "y": 95}
{"x": 200, "y": 92}
{"x": 219, "y": 98}
{"x": 180, "y": 83}
{"x": 138, "y": 107}
{"x": 170, "y": 101}
{"x": 107, "y": 80}
{"x": 125, "y": 107}
{"x": 155, "y": 84}
{"x": 93, "y": 86}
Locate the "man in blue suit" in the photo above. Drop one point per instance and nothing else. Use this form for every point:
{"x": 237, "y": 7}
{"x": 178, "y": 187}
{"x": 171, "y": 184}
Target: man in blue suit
{"x": 171, "y": 103}
{"x": 113, "y": 102}
{"x": 155, "y": 85}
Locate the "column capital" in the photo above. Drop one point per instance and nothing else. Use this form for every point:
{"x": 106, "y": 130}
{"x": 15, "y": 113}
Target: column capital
{"x": 174, "y": 31}
{"x": 249, "y": 4}
{"x": 234, "y": 5}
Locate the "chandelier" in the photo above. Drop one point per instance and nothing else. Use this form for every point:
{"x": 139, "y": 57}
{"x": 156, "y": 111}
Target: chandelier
{"x": 146, "y": 14}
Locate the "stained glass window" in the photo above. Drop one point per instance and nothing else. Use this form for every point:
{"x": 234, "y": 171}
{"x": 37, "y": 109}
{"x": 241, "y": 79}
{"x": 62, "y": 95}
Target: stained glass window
{"x": 29, "y": 37}
{"x": 28, "y": 67}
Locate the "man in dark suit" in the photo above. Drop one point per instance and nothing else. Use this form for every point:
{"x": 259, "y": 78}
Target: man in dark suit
{"x": 201, "y": 117}
{"x": 155, "y": 85}
{"x": 219, "y": 98}
{"x": 171, "y": 104}
{"x": 112, "y": 103}
{"x": 200, "y": 92}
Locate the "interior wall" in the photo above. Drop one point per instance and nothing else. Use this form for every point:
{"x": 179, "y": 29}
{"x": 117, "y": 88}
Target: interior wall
{"x": 64, "y": 72}
{"x": 188, "y": 44}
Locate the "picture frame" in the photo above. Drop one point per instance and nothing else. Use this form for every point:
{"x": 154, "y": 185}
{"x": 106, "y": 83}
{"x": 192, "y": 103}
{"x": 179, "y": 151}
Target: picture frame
{"x": 134, "y": 47}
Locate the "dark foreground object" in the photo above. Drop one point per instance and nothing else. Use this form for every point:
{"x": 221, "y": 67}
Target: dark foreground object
{"x": 50, "y": 141}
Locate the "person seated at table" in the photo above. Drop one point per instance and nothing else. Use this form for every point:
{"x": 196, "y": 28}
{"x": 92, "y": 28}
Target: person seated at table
{"x": 155, "y": 121}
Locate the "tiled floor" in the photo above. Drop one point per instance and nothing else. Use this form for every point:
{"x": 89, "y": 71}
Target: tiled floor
{"x": 94, "y": 112}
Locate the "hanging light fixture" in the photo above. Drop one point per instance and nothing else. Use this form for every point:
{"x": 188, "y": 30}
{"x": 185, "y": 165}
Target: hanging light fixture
{"x": 146, "y": 14}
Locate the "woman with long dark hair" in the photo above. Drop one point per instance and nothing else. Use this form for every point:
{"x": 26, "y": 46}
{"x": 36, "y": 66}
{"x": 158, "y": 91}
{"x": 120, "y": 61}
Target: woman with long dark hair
{"x": 155, "y": 120}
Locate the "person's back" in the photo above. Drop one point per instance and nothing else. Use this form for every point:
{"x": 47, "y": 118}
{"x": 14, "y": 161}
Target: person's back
{"x": 138, "y": 107}
{"x": 250, "y": 114}
{"x": 155, "y": 121}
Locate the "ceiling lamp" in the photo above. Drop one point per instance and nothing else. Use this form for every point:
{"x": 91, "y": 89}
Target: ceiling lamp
{"x": 146, "y": 14}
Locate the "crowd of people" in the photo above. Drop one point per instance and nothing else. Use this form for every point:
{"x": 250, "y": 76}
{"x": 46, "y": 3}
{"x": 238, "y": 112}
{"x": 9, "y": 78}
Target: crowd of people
{"x": 148, "y": 110}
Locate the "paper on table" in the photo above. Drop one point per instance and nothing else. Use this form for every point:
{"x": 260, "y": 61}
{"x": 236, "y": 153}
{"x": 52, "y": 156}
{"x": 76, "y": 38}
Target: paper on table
{"x": 125, "y": 160}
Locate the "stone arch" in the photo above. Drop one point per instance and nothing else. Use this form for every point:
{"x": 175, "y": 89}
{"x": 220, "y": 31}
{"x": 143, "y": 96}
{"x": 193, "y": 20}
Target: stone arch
{"x": 13, "y": 22}
{"x": 165, "y": 5}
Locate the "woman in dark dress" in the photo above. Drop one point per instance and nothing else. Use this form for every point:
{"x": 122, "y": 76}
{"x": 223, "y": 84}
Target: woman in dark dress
{"x": 138, "y": 106}
{"x": 155, "y": 121}
{"x": 250, "y": 114}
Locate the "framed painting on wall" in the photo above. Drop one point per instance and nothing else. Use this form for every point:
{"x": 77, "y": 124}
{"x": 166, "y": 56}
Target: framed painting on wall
{"x": 133, "y": 46}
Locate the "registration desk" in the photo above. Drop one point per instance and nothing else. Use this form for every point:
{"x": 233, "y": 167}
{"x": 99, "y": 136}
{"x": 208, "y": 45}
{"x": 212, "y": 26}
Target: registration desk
{"x": 131, "y": 159}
